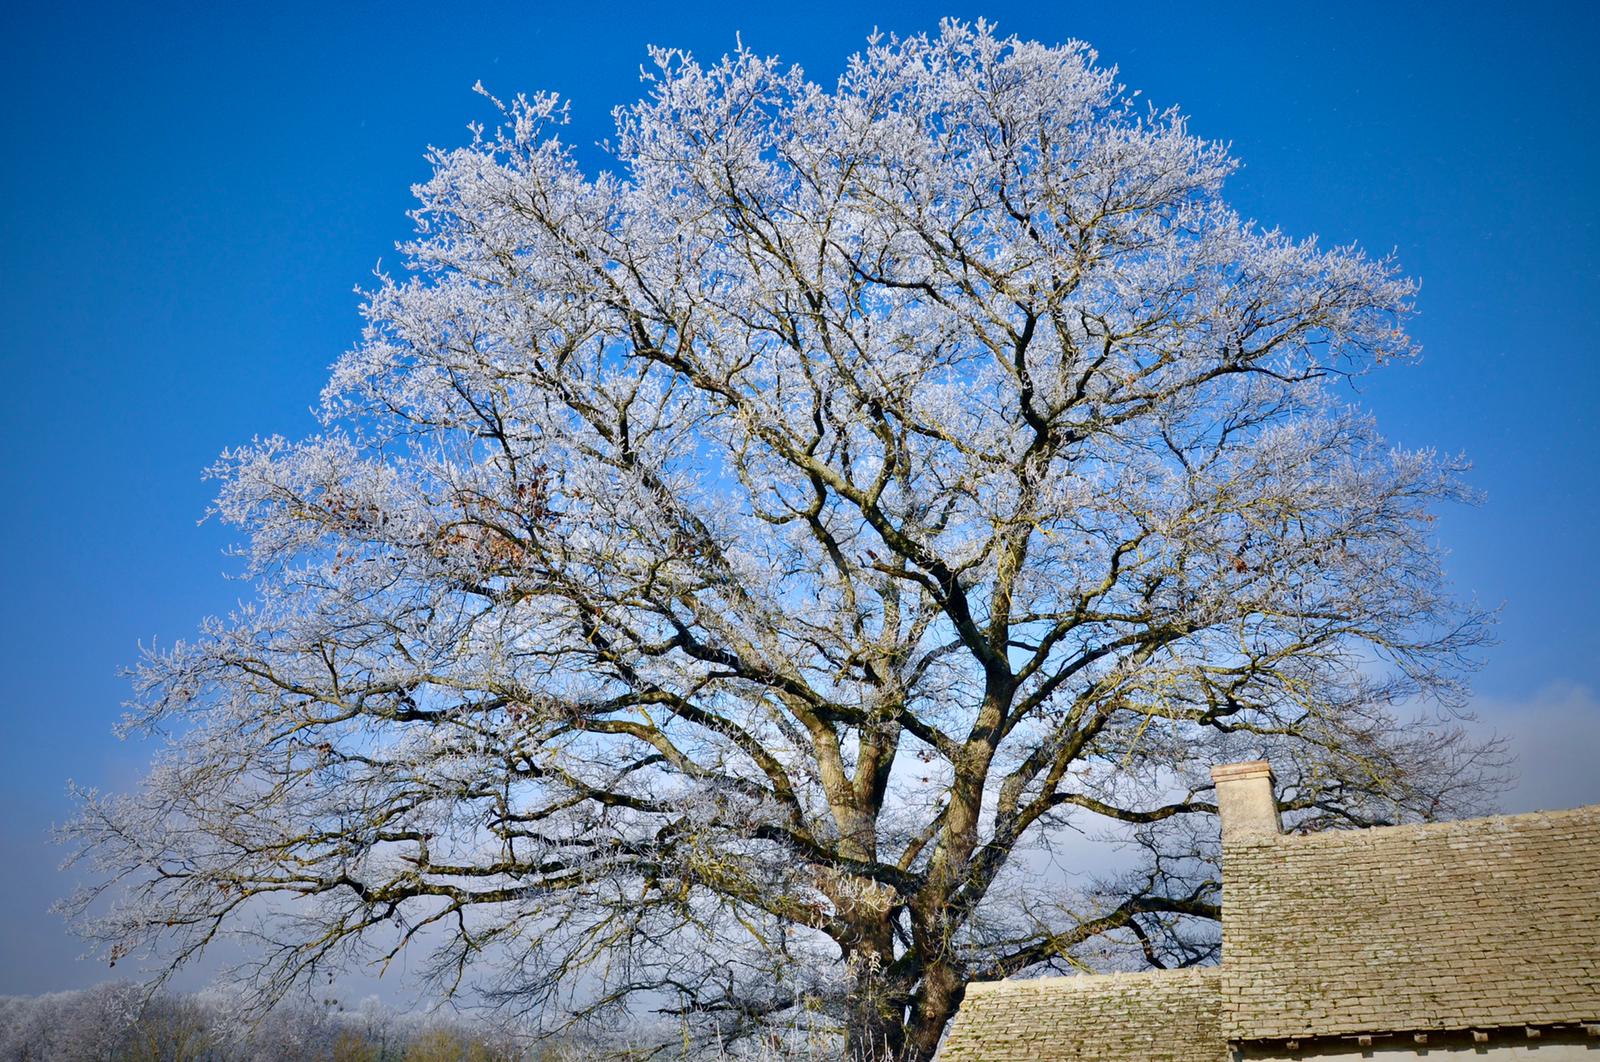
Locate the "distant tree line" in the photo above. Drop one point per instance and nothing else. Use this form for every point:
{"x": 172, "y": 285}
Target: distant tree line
{"x": 121, "y": 1021}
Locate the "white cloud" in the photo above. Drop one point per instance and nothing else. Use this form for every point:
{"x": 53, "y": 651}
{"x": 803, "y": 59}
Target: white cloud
{"x": 1555, "y": 735}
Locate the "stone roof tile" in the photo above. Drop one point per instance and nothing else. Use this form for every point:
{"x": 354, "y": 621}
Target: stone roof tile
{"x": 1476, "y": 923}
{"x": 1158, "y": 1016}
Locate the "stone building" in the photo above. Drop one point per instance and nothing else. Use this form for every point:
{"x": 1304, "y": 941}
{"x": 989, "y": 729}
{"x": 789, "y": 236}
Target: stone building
{"x": 1475, "y": 938}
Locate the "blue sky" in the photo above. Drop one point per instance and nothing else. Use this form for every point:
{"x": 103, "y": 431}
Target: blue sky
{"x": 190, "y": 196}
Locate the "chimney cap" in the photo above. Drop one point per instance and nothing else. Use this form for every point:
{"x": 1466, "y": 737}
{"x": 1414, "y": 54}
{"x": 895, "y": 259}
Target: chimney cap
{"x": 1232, "y": 772}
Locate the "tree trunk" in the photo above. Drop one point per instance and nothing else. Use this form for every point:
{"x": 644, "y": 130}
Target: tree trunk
{"x": 875, "y": 1033}
{"x": 885, "y": 1022}
{"x": 875, "y": 1029}
{"x": 941, "y": 994}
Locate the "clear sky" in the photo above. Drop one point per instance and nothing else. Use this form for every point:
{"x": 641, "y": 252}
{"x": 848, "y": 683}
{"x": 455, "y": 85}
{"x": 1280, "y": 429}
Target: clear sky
{"x": 188, "y": 198}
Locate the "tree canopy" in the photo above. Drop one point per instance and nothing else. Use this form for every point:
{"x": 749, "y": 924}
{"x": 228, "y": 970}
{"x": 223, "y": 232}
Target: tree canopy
{"x": 725, "y": 581}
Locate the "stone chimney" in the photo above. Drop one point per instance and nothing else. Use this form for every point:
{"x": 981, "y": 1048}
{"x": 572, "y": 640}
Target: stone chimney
{"x": 1245, "y": 801}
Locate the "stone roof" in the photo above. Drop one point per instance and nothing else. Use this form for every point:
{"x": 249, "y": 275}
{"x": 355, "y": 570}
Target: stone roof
{"x": 1472, "y": 924}
{"x": 1159, "y": 1016}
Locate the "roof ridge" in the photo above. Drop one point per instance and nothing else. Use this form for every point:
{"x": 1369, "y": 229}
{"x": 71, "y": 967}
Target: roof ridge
{"x": 1517, "y": 818}
{"x": 1088, "y": 981}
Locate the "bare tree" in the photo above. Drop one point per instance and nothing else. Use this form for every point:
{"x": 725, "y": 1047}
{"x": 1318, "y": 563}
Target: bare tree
{"x": 94, "y": 1025}
{"x": 724, "y": 581}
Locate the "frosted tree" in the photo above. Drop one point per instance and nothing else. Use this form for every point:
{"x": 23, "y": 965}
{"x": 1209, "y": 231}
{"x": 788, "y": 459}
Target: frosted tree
{"x": 725, "y": 580}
